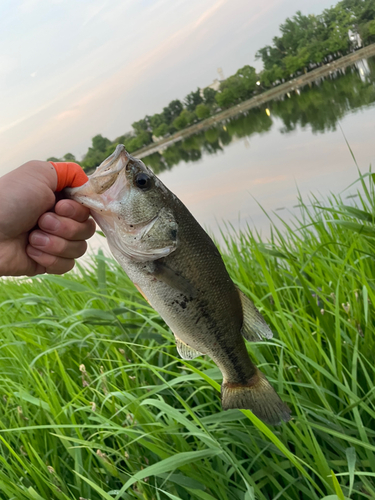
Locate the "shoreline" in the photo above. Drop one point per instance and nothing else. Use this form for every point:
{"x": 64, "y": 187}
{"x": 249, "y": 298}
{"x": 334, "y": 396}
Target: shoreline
{"x": 256, "y": 101}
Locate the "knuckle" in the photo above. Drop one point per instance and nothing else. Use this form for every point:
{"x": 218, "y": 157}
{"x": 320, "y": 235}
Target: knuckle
{"x": 51, "y": 260}
{"x": 69, "y": 229}
{"x": 62, "y": 247}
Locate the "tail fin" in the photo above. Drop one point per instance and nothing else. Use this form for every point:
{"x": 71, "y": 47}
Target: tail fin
{"x": 258, "y": 396}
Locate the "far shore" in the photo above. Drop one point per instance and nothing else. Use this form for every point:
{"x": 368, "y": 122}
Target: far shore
{"x": 268, "y": 95}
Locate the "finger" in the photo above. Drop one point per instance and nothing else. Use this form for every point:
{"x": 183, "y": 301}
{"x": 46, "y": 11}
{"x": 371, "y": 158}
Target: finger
{"x": 73, "y": 210}
{"x": 66, "y": 228}
{"x": 51, "y": 263}
{"x": 59, "y": 247}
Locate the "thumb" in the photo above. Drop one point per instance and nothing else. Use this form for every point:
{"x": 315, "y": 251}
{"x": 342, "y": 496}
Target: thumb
{"x": 69, "y": 174}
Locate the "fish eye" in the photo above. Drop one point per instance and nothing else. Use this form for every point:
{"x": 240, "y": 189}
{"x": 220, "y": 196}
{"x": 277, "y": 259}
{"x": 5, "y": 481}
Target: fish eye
{"x": 143, "y": 181}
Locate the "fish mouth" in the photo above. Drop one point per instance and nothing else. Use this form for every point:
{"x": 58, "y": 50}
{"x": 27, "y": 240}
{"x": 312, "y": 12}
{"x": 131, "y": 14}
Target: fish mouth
{"x": 109, "y": 169}
{"x": 106, "y": 174}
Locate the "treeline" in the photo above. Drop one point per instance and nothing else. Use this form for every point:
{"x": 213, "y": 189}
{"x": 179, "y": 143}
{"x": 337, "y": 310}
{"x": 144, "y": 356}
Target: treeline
{"x": 320, "y": 106}
{"x": 310, "y": 41}
{"x": 305, "y": 43}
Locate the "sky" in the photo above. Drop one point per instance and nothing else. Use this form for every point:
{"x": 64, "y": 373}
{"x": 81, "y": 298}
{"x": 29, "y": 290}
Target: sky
{"x": 71, "y": 69}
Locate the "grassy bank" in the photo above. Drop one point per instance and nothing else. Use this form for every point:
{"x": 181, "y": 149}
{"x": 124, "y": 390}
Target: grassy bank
{"x": 95, "y": 404}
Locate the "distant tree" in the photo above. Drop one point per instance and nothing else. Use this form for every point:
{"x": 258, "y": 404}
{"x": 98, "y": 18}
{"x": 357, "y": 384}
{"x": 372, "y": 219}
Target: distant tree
{"x": 193, "y": 99}
{"x": 100, "y": 143}
{"x": 69, "y": 157}
{"x": 92, "y": 158}
{"x": 131, "y": 145}
{"x": 122, "y": 138}
{"x": 156, "y": 120}
{"x": 226, "y": 98}
{"x": 367, "y": 32}
{"x": 209, "y": 96}
{"x": 141, "y": 125}
{"x": 202, "y": 111}
{"x": 53, "y": 158}
{"x": 111, "y": 148}
{"x": 237, "y": 87}
{"x": 269, "y": 76}
{"x": 134, "y": 143}
{"x": 172, "y": 111}
{"x": 184, "y": 119}
{"x": 161, "y": 130}
{"x": 270, "y": 56}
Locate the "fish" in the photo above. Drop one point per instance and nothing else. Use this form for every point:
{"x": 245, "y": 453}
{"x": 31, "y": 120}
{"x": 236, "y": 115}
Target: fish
{"x": 179, "y": 271}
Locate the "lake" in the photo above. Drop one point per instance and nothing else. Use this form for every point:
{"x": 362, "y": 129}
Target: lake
{"x": 262, "y": 159}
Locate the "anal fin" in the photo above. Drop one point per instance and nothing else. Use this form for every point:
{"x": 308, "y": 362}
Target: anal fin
{"x": 185, "y": 351}
{"x": 254, "y": 327}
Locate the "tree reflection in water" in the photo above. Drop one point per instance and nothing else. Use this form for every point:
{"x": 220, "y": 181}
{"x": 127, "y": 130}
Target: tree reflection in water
{"x": 320, "y": 105}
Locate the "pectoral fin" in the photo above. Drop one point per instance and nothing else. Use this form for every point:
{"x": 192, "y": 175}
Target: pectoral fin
{"x": 254, "y": 327}
{"x": 172, "y": 278}
{"x": 185, "y": 351}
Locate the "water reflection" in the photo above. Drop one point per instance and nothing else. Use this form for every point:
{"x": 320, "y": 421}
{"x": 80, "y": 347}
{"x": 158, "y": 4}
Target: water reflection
{"x": 319, "y": 106}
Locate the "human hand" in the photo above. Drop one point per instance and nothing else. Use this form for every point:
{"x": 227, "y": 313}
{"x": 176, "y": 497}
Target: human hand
{"x": 26, "y": 200}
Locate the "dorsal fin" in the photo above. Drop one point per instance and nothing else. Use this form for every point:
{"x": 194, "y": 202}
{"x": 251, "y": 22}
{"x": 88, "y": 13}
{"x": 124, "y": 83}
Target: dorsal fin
{"x": 254, "y": 327}
{"x": 185, "y": 351}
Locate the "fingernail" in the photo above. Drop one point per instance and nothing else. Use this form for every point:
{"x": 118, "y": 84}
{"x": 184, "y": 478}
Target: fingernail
{"x": 33, "y": 252}
{"x": 50, "y": 223}
{"x": 39, "y": 239}
{"x": 68, "y": 210}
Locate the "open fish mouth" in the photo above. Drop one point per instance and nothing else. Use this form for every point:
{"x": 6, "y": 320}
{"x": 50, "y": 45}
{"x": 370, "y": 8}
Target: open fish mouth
{"x": 106, "y": 174}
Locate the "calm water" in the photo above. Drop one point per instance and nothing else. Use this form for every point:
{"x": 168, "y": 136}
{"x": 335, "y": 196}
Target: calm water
{"x": 223, "y": 173}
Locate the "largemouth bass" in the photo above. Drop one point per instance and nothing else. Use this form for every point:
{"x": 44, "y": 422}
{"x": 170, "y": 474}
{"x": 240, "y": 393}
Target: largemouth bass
{"x": 179, "y": 271}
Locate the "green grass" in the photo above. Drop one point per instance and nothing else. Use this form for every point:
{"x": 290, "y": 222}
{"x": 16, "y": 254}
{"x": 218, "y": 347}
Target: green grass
{"x": 95, "y": 404}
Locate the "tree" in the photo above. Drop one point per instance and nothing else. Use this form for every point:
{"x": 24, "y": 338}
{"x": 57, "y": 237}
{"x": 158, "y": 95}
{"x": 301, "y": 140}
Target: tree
{"x": 172, "y": 111}
{"x": 161, "y": 130}
{"x": 367, "y": 32}
{"x": 184, "y": 119}
{"x": 237, "y": 87}
{"x": 209, "y": 96}
{"x": 141, "y": 125}
{"x": 193, "y": 99}
{"x": 156, "y": 120}
{"x": 137, "y": 142}
{"x": 69, "y": 157}
{"x": 111, "y": 149}
{"x": 202, "y": 111}
{"x": 93, "y": 158}
{"x": 225, "y": 98}
{"x": 100, "y": 143}
{"x": 122, "y": 138}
